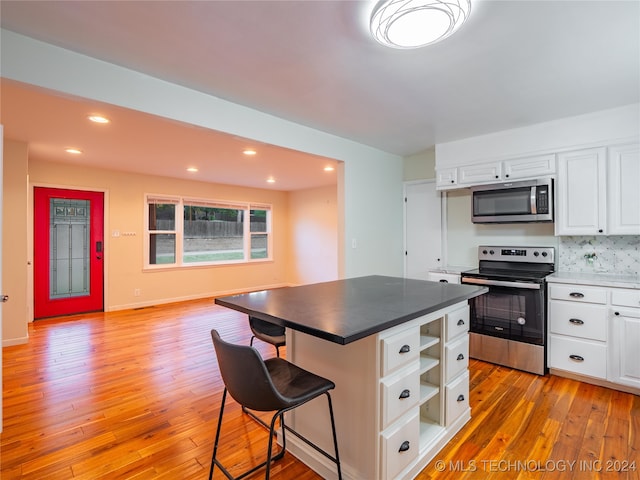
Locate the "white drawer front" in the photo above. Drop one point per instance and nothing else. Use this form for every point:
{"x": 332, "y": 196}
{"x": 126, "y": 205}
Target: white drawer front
{"x": 577, "y": 293}
{"x": 457, "y": 357}
{"x": 400, "y": 445}
{"x": 578, "y": 320}
{"x": 443, "y": 277}
{"x": 457, "y": 398}
{"x": 399, "y": 393}
{"x": 457, "y": 322}
{"x": 578, "y": 356}
{"x": 625, "y": 298}
{"x": 400, "y": 349}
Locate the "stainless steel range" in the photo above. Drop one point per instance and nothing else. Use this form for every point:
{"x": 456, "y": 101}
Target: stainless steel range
{"x": 509, "y": 323}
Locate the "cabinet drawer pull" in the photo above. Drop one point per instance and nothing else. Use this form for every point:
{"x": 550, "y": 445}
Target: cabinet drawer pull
{"x": 442, "y": 280}
{"x": 405, "y": 349}
{"x": 405, "y": 393}
{"x": 576, "y": 321}
{"x": 404, "y": 447}
{"x": 460, "y": 398}
{"x": 460, "y": 357}
{"x": 460, "y": 322}
{"x": 576, "y": 295}
{"x": 577, "y": 358}
{"x": 616, "y": 313}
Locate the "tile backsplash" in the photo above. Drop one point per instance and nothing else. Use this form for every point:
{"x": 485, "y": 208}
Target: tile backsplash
{"x": 600, "y": 254}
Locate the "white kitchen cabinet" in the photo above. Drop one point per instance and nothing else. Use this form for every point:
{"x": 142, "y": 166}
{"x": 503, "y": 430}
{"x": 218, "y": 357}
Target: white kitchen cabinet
{"x": 529, "y": 167}
{"x": 624, "y": 190}
{"x": 624, "y": 359}
{"x": 524, "y": 168}
{"x": 594, "y": 334}
{"x": 446, "y": 177}
{"x": 481, "y": 173}
{"x": 597, "y": 191}
{"x": 581, "y": 192}
{"x": 578, "y": 330}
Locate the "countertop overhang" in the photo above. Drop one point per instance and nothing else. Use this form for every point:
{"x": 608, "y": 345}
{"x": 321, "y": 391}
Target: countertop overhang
{"x": 343, "y": 311}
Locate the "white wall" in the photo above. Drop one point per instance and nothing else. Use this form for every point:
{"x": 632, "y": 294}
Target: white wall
{"x": 313, "y": 220}
{"x": 606, "y": 126}
{"x": 370, "y": 200}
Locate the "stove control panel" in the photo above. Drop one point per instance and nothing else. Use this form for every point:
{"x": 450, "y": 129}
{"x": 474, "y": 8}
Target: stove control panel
{"x": 517, "y": 254}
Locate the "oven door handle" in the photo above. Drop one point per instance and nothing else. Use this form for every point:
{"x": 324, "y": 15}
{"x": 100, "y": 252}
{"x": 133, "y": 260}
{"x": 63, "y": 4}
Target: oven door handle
{"x": 500, "y": 283}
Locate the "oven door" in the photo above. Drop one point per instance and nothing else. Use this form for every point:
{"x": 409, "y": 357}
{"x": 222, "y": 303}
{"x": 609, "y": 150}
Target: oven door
{"x": 512, "y": 310}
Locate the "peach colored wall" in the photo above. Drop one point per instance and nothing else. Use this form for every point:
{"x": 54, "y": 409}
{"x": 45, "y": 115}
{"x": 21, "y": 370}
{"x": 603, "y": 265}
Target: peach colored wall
{"x": 16, "y": 312}
{"x": 124, "y": 211}
{"x": 314, "y": 235}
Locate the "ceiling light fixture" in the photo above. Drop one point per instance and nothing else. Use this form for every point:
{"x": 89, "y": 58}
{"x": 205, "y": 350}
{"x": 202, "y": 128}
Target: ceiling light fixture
{"x": 249, "y": 151}
{"x": 271, "y": 180}
{"x": 98, "y": 119}
{"x": 416, "y": 23}
{"x": 192, "y": 169}
{"x": 74, "y": 151}
{"x": 329, "y": 169}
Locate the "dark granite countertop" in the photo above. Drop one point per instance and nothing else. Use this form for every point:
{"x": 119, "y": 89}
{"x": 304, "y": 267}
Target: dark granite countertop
{"x": 344, "y": 311}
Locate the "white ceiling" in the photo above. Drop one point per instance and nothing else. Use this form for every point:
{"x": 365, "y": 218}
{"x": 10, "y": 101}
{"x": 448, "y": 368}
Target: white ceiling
{"x": 513, "y": 64}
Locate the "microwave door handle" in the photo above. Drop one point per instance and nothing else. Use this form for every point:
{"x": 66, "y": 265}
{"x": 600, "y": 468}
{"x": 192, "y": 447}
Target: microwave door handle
{"x": 532, "y": 200}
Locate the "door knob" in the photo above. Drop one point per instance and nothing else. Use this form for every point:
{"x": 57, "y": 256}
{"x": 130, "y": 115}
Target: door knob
{"x": 4, "y": 298}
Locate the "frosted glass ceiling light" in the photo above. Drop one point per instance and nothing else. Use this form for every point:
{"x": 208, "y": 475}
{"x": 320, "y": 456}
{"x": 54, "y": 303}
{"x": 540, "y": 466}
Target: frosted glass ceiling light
{"x": 416, "y": 23}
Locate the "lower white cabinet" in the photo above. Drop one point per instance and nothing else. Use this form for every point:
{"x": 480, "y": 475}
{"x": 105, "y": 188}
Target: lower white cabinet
{"x": 401, "y": 395}
{"x": 425, "y": 400}
{"x": 594, "y": 333}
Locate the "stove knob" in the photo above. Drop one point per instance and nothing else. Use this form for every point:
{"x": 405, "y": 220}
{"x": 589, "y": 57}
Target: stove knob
{"x": 491, "y": 252}
{"x": 535, "y": 254}
{"x": 484, "y": 252}
{"x": 544, "y": 254}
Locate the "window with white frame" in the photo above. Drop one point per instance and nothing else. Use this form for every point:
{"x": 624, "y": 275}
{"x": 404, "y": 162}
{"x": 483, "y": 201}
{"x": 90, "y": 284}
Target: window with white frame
{"x": 184, "y": 232}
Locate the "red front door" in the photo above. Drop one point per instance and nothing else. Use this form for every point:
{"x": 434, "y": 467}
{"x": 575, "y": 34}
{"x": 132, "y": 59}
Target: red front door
{"x": 69, "y": 252}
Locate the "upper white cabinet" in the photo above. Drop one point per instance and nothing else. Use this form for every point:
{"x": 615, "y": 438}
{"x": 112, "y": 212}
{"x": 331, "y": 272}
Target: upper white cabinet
{"x": 597, "y": 191}
{"x": 492, "y": 172}
{"x": 581, "y": 192}
{"x": 624, "y": 190}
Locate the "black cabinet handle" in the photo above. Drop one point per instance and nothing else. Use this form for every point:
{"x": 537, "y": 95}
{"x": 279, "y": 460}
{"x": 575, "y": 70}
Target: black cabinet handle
{"x": 405, "y": 393}
{"x": 616, "y": 313}
{"x": 460, "y": 322}
{"x": 453, "y": 181}
{"x": 600, "y": 231}
{"x": 405, "y": 349}
{"x": 460, "y": 398}
{"x": 577, "y": 358}
{"x": 576, "y": 295}
{"x": 576, "y": 321}
{"x": 442, "y": 280}
{"x": 460, "y": 357}
{"x": 404, "y": 447}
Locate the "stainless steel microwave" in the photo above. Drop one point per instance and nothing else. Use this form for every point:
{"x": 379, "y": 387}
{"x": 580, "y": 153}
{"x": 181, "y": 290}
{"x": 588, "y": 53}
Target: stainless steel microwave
{"x": 513, "y": 202}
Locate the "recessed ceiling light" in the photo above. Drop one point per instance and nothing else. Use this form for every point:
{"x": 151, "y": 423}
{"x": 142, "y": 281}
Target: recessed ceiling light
{"x": 249, "y": 151}
{"x": 329, "y": 168}
{"x": 271, "y": 180}
{"x": 74, "y": 151}
{"x": 98, "y": 119}
{"x": 192, "y": 169}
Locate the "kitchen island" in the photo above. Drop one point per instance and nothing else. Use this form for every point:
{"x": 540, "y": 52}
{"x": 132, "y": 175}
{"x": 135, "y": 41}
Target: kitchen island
{"x": 397, "y": 350}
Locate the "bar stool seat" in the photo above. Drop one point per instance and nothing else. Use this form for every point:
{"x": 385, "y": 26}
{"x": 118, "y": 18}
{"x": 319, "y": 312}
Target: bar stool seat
{"x": 267, "y": 385}
{"x": 267, "y": 332}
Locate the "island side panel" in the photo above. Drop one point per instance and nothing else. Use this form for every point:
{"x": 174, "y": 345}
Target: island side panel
{"x": 354, "y": 369}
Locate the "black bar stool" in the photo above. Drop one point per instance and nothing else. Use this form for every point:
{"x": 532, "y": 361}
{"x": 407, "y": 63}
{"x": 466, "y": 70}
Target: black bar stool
{"x": 267, "y": 332}
{"x": 267, "y": 385}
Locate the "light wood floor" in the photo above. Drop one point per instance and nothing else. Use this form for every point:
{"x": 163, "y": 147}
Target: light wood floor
{"x": 135, "y": 395}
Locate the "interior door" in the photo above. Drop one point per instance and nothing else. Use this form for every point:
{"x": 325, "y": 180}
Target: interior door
{"x": 423, "y": 229}
{"x": 69, "y": 252}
